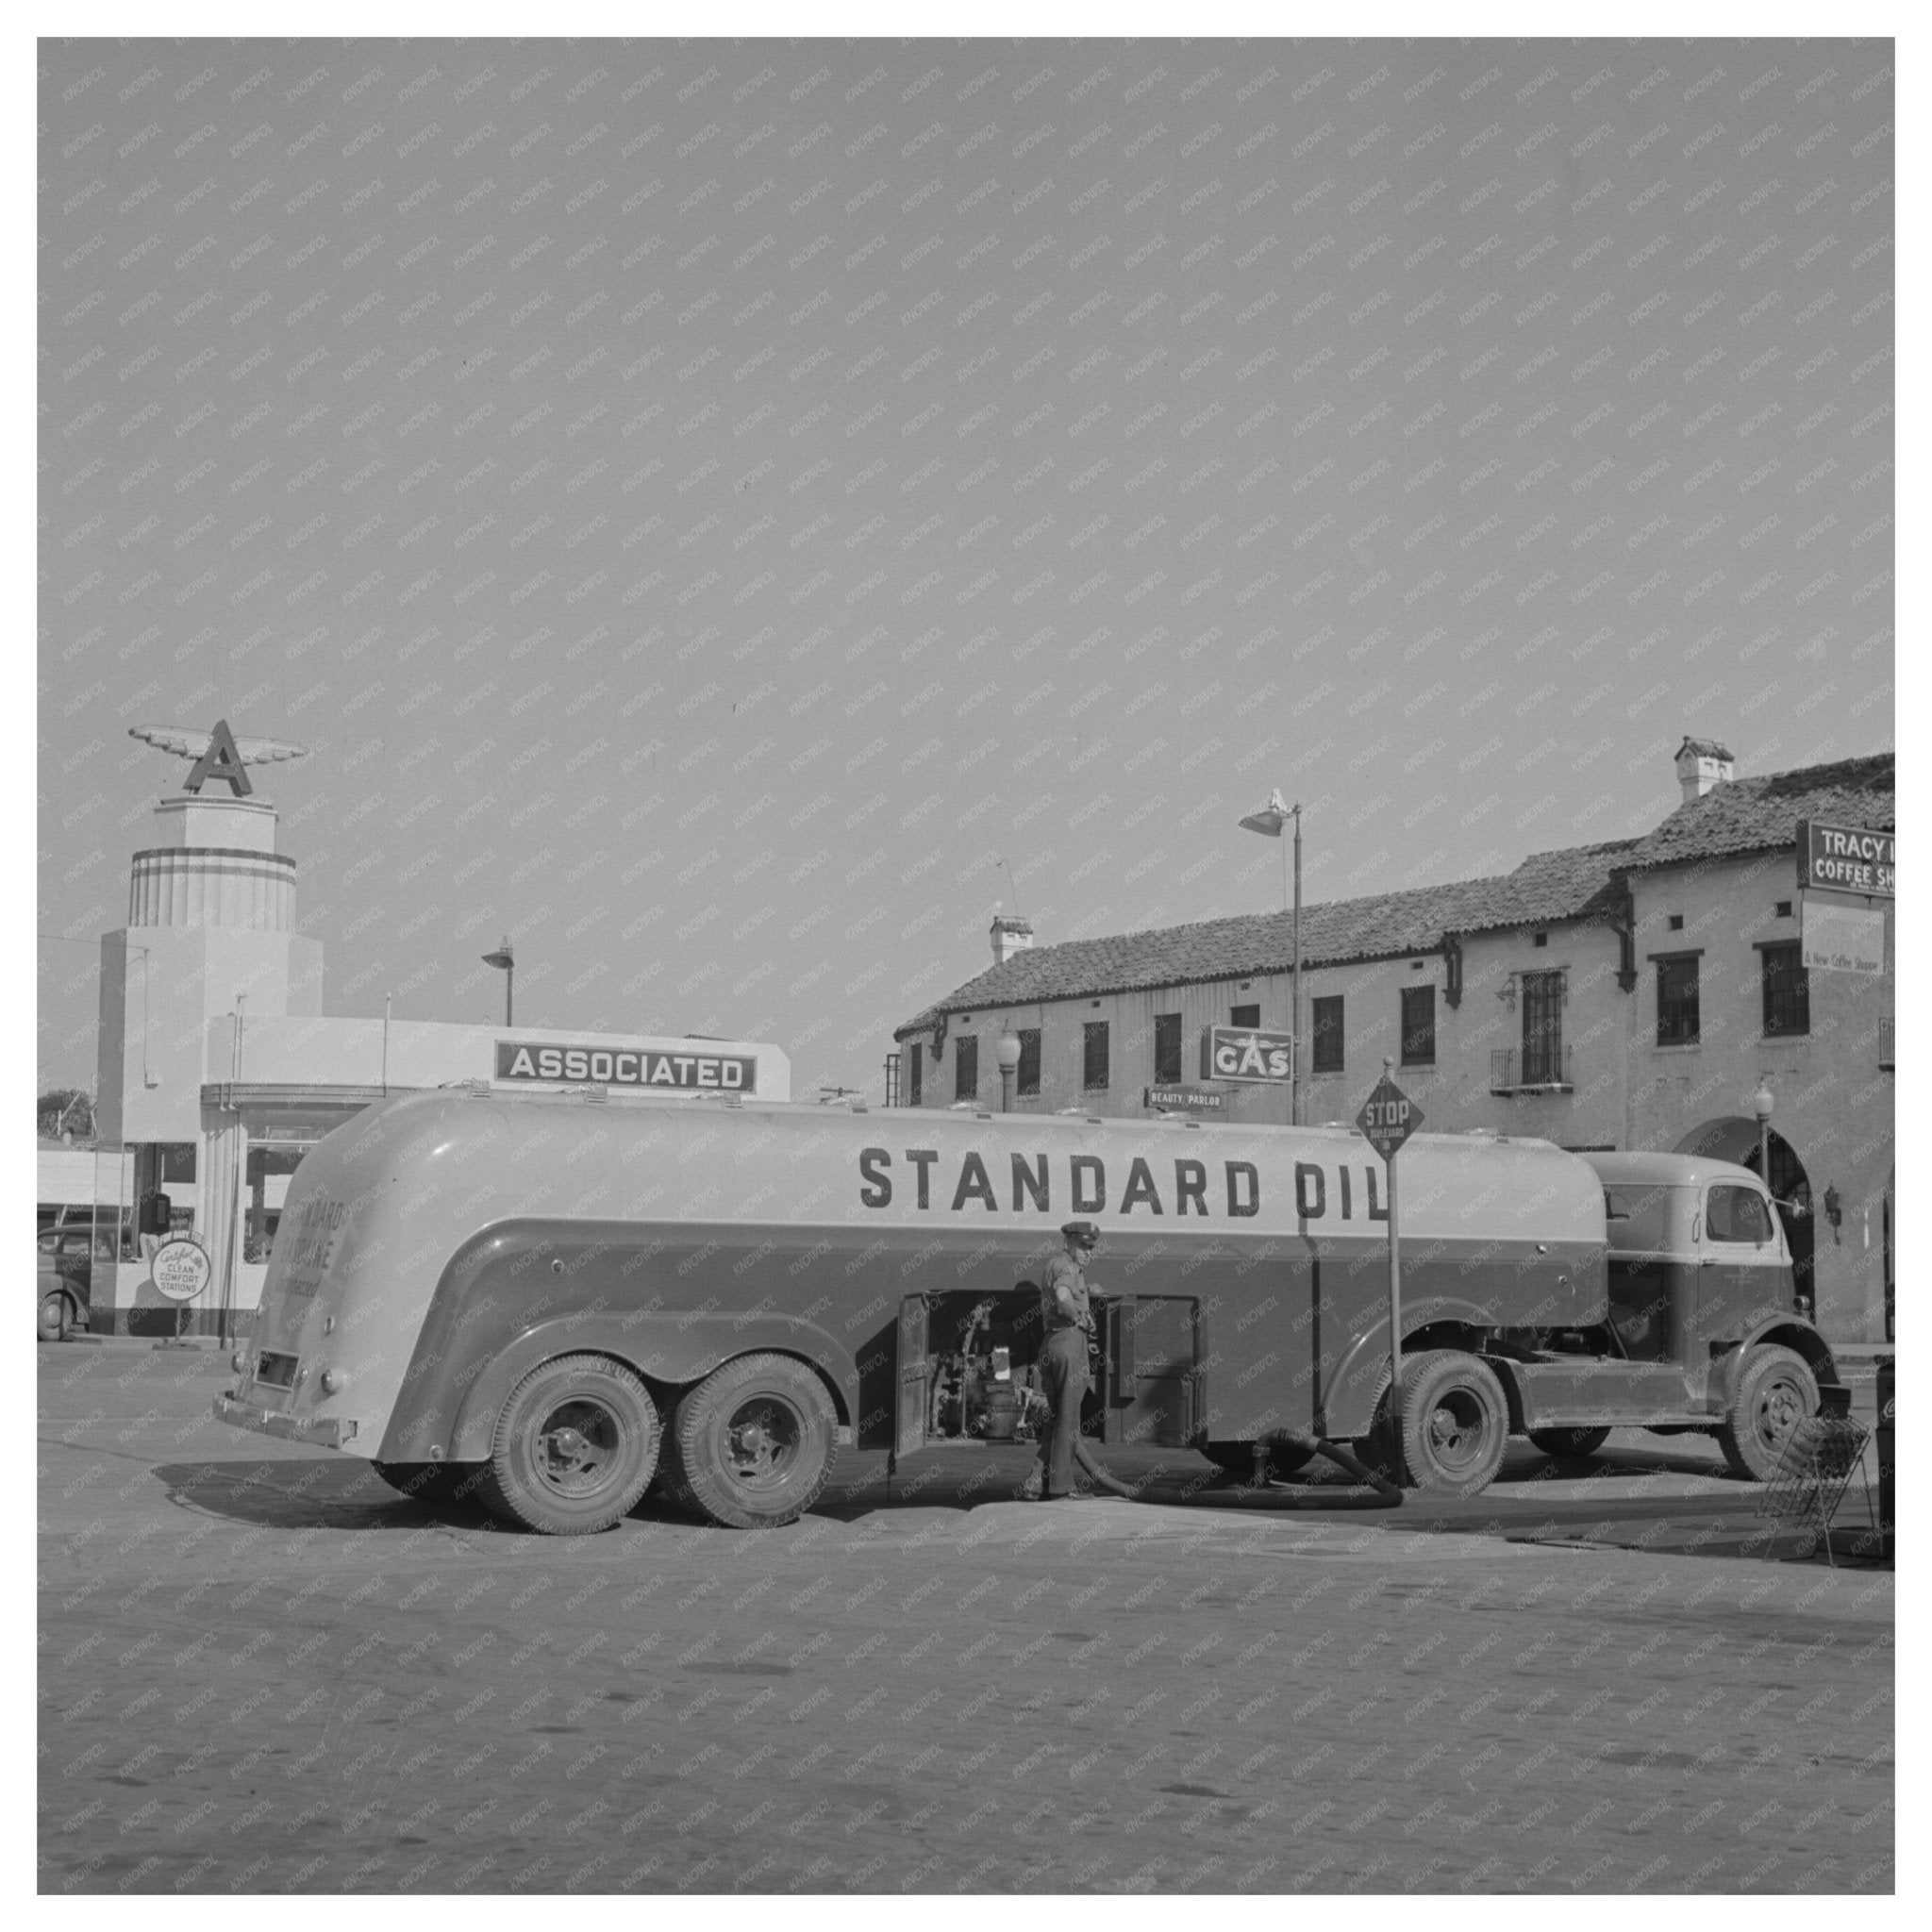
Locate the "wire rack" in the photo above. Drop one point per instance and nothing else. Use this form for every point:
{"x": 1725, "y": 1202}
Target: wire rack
{"x": 1821, "y": 1456}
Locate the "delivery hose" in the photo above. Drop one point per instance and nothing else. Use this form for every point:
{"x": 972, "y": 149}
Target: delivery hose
{"x": 1379, "y": 1492}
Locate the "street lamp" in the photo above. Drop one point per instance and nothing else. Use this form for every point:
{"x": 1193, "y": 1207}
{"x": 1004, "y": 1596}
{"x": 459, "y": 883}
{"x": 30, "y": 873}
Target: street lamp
{"x": 1269, "y": 821}
{"x": 1761, "y": 1103}
{"x": 1007, "y": 1053}
{"x": 505, "y": 961}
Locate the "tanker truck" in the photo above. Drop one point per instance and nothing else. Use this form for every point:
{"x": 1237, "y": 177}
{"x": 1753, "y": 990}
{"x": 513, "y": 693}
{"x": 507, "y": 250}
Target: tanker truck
{"x": 557, "y": 1301}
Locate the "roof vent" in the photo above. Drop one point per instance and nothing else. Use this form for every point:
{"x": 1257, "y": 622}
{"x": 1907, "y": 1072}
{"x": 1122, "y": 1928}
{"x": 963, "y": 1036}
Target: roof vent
{"x": 1702, "y": 764}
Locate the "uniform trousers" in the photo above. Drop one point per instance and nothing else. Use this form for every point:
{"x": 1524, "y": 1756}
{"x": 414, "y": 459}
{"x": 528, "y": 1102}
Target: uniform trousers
{"x": 1063, "y": 1371}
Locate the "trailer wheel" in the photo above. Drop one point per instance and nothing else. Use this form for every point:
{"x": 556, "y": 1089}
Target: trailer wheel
{"x": 54, "y": 1317}
{"x": 1237, "y": 1458}
{"x": 437, "y": 1485}
{"x": 573, "y": 1449}
{"x": 753, "y": 1442}
{"x": 1566, "y": 1445}
{"x": 1775, "y": 1392}
{"x": 1455, "y": 1422}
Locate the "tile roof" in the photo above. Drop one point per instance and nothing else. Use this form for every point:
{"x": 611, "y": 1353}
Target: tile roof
{"x": 1579, "y": 882}
{"x": 1576, "y": 883}
{"x": 1760, "y": 814}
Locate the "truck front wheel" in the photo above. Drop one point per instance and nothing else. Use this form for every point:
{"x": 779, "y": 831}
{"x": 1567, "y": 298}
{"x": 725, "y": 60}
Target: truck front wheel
{"x": 1777, "y": 1391}
{"x": 1455, "y": 1422}
{"x": 753, "y": 1442}
{"x": 575, "y": 1447}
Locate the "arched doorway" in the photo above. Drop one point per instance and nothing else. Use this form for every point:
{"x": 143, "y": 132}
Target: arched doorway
{"x": 1735, "y": 1138}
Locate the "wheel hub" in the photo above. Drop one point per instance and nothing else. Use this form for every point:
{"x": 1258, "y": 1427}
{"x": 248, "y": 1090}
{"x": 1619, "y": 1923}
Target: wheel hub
{"x": 576, "y": 1447}
{"x": 762, "y": 1442}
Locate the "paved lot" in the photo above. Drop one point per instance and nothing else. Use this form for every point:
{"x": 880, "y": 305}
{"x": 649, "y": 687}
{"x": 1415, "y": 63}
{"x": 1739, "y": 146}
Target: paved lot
{"x": 261, "y": 1671}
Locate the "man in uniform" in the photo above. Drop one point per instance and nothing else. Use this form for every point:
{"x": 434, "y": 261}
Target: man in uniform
{"x": 1068, "y": 1323}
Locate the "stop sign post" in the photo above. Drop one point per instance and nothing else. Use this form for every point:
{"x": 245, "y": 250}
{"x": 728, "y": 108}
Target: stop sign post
{"x": 1388, "y": 1118}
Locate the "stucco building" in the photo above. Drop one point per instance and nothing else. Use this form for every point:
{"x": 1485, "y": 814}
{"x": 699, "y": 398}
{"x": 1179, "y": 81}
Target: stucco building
{"x": 1637, "y": 994}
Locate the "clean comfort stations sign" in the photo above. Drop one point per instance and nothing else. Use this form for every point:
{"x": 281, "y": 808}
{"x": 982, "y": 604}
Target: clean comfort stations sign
{"x": 665, "y": 1069}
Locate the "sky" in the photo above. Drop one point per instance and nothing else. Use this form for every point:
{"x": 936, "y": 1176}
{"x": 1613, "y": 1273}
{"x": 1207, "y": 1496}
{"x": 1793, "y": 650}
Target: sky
{"x": 733, "y": 516}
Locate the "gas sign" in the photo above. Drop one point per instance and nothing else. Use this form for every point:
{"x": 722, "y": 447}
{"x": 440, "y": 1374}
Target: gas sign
{"x": 1242, "y": 1052}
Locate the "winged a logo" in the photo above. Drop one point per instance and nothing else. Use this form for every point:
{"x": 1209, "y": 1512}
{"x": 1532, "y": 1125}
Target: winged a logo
{"x": 218, "y": 754}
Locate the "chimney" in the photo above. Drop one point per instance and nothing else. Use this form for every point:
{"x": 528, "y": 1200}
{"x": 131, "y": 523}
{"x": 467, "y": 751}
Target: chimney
{"x": 1010, "y": 936}
{"x": 1702, "y": 763}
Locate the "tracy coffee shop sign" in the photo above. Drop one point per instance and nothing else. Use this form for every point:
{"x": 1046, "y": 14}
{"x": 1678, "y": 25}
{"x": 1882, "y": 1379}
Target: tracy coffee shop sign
{"x": 1847, "y": 858}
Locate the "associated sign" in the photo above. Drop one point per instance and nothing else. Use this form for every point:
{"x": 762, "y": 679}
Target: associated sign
{"x": 1184, "y": 1100}
{"x": 1847, "y": 858}
{"x": 1240, "y": 1053}
{"x": 1843, "y": 939}
{"x": 651, "y": 1067}
{"x": 180, "y": 1269}
{"x": 1388, "y": 1117}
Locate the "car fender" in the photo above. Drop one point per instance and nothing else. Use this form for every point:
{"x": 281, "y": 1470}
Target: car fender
{"x": 1789, "y": 1331}
{"x": 1348, "y": 1402}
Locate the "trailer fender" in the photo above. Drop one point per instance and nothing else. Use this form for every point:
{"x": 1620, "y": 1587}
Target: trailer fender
{"x": 664, "y": 1348}
{"x": 1789, "y": 1331}
{"x": 1350, "y": 1398}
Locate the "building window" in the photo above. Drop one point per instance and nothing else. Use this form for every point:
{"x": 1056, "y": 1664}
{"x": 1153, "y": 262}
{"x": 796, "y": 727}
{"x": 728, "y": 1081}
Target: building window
{"x": 1787, "y": 991}
{"x": 966, "y": 1068}
{"x": 1029, "y": 1060}
{"x": 1542, "y": 1028}
{"x": 1676, "y": 1001}
{"x": 1419, "y": 1026}
{"x": 1094, "y": 1056}
{"x": 1244, "y": 1016}
{"x": 915, "y": 1075}
{"x": 1167, "y": 1048}
{"x": 1328, "y": 1031}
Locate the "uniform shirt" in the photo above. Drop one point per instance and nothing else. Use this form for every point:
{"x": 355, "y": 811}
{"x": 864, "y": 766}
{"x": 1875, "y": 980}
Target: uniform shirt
{"x": 1063, "y": 1295}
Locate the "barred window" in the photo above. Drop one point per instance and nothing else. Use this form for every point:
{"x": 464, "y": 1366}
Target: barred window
{"x": 966, "y": 1068}
{"x": 1094, "y": 1057}
{"x": 1029, "y": 1060}
{"x": 1676, "y": 1001}
{"x": 1167, "y": 1047}
{"x": 1419, "y": 1026}
{"x": 1327, "y": 1032}
{"x": 1787, "y": 991}
{"x": 1244, "y": 1016}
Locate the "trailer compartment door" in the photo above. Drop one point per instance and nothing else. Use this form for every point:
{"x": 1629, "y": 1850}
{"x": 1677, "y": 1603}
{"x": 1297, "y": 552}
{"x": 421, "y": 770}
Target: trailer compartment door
{"x": 914, "y": 1388}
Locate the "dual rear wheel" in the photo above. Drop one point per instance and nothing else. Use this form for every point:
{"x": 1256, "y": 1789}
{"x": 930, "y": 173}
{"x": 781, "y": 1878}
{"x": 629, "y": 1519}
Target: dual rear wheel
{"x": 581, "y": 1438}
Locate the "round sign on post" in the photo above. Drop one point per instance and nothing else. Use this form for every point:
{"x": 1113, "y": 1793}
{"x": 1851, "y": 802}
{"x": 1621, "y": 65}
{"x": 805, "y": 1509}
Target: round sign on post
{"x": 1388, "y": 1118}
{"x": 180, "y": 1269}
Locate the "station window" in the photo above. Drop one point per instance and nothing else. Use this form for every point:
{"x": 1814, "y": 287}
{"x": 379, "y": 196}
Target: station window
{"x": 1244, "y": 1016}
{"x": 1093, "y": 1056}
{"x": 1029, "y": 1060}
{"x": 1167, "y": 1047}
{"x": 1327, "y": 1034}
{"x": 915, "y": 1075}
{"x": 966, "y": 1068}
{"x": 1419, "y": 1026}
{"x": 1677, "y": 1019}
{"x": 1787, "y": 991}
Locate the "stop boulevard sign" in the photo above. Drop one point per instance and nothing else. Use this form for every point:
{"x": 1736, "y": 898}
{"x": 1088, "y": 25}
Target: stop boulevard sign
{"x": 1388, "y": 1117}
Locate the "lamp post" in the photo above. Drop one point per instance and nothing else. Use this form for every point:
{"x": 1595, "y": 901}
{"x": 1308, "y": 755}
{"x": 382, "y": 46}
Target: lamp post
{"x": 1007, "y": 1053}
{"x": 1761, "y": 1103}
{"x": 505, "y": 961}
{"x": 1270, "y": 821}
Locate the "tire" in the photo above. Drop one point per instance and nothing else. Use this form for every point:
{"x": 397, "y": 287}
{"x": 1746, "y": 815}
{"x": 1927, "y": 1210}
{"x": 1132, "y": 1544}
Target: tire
{"x": 1567, "y": 1445}
{"x": 573, "y": 1449}
{"x": 437, "y": 1485}
{"x": 1454, "y": 1423}
{"x": 753, "y": 1442}
{"x": 1238, "y": 1459}
{"x": 55, "y": 1316}
{"x": 1776, "y": 1391}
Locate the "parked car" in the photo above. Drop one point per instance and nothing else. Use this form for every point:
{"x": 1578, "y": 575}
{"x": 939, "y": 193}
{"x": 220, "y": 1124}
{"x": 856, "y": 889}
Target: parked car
{"x": 67, "y": 1257}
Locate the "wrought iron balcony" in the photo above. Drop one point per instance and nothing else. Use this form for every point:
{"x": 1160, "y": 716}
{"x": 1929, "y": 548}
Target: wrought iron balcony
{"x": 1885, "y": 1045}
{"x": 1531, "y": 1070}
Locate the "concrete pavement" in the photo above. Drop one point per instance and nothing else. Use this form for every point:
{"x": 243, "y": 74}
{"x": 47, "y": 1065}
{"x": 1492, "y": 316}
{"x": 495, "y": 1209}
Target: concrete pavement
{"x": 261, "y": 1671}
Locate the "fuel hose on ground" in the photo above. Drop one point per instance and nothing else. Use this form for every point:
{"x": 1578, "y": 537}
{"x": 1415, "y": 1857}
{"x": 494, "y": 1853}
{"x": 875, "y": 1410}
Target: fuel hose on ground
{"x": 1380, "y": 1494}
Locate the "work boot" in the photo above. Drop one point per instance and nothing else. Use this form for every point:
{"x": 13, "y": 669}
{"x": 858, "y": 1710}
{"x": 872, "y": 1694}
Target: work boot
{"x": 1031, "y": 1489}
